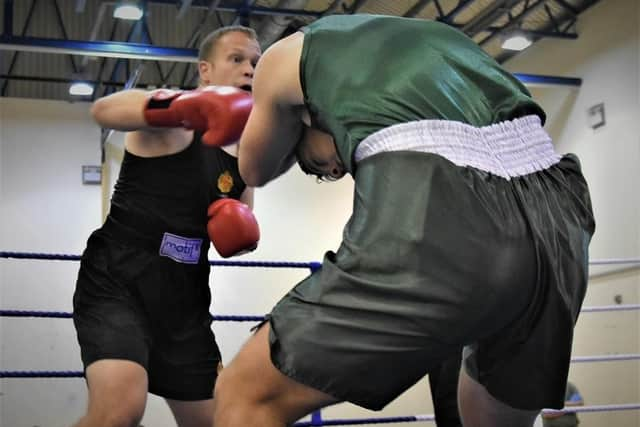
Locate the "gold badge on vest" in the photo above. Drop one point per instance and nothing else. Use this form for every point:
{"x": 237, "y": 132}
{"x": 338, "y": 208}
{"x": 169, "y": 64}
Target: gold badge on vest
{"x": 225, "y": 182}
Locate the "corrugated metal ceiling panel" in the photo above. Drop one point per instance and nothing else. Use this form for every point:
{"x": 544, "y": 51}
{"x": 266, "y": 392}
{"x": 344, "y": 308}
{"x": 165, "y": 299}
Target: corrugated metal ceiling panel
{"x": 166, "y": 30}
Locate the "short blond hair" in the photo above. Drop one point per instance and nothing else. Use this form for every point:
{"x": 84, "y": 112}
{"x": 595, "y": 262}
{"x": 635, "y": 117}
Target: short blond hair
{"x": 208, "y": 45}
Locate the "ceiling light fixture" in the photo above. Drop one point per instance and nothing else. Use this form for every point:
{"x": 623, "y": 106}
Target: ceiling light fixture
{"x": 516, "y": 41}
{"x": 128, "y": 11}
{"x": 81, "y": 89}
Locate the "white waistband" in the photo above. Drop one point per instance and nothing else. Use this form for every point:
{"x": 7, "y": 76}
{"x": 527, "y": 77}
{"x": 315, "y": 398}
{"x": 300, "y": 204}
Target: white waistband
{"x": 507, "y": 149}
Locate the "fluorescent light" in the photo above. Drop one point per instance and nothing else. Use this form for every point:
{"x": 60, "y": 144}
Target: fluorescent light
{"x": 81, "y": 89}
{"x": 516, "y": 42}
{"x": 127, "y": 11}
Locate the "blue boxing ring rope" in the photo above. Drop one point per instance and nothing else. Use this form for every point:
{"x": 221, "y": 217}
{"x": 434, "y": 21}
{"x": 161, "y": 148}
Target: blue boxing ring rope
{"x": 316, "y": 417}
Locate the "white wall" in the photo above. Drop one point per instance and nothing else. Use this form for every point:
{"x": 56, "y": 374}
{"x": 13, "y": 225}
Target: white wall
{"x": 44, "y": 208}
{"x": 606, "y": 56}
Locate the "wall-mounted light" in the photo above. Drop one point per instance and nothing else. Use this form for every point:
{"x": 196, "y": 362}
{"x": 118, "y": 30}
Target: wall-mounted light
{"x": 128, "y": 10}
{"x": 516, "y": 41}
{"x": 81, "y": 89}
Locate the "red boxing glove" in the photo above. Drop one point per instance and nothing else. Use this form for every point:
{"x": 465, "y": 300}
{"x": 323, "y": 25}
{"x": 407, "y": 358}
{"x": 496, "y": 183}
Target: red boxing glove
{"x": 232, "y": 227}
{"x": 219, "y": 111}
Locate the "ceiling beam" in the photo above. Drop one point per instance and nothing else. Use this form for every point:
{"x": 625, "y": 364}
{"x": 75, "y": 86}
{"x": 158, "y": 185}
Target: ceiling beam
{"x": 25, "y": 28}
{"x": 513, "y": 23}
{"x": 252, "y": 10}
{"x": 357, "y": 4}
{"x": 540, "y": 79}
{"x": 272, "y": 29}
{"x": 528, "y": 79}
{"x": 74, "y": 67}
{"x": 568, "y": 7}
{"x": 462, "y": 4}
{"x": 568, "y": 17}
{"x": 7, "y": 29}
{"x": 417, "y": 8}
{"x": 184, "y": 6}
{"x": 489, "y": 15}
{"x": 94, "y": 31}
{"x": 109, "y": 49}
{"x": 103, "y": 62}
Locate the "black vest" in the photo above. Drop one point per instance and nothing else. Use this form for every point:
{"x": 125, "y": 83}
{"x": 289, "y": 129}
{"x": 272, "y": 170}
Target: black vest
{"x": 172, "y": 193}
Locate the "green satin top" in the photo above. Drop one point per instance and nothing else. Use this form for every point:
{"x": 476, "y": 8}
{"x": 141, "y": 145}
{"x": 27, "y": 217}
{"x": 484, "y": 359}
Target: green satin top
{"x": 363, "y": 73}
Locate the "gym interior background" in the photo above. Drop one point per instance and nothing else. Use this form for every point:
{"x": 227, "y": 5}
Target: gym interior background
{"x": 47, "y": 136}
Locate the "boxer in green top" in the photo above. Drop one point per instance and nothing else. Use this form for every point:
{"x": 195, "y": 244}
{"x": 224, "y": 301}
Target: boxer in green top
{"x": 468, "y": 229}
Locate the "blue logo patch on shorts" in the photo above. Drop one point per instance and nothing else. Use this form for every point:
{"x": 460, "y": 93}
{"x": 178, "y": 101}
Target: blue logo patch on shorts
{"x": 180, "y": 249}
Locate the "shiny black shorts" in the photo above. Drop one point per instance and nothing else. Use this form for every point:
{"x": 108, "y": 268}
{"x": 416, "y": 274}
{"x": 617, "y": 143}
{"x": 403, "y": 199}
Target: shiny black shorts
{"x": 435, "y": 257}
{"x": 134, "y": 305}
